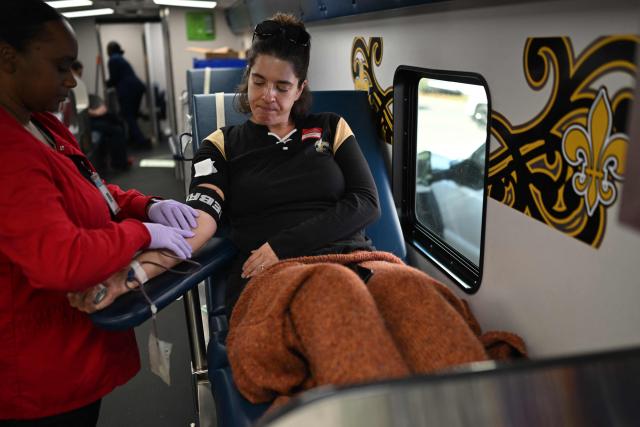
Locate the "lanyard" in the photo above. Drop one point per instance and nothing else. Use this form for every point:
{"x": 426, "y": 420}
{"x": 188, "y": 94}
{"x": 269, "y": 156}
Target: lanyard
{"x": 86, "y": 171}
{"x": 111, "y": 202}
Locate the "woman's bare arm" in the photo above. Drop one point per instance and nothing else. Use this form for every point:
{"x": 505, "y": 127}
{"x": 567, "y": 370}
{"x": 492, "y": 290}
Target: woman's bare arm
{"x": 115, "y": 285}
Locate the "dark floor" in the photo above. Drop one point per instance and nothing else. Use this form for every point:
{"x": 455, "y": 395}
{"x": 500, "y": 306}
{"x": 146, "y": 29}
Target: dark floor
{"x": 146, "y": 400}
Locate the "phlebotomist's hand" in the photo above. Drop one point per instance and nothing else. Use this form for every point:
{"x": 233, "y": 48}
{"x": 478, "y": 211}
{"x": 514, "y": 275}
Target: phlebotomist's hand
{"x": 112, "y": 288}
{"x": 165, "y": 237}
{"x": 173, "y": 214}
{"x": 260, "y": 259}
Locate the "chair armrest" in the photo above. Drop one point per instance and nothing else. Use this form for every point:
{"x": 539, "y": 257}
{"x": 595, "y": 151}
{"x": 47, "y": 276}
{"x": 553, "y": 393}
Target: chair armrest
{"x": 131, "y": 309}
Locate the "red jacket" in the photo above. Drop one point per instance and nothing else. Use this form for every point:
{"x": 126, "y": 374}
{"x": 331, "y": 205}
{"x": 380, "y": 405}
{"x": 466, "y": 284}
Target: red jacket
{"x": 56, "y": 236}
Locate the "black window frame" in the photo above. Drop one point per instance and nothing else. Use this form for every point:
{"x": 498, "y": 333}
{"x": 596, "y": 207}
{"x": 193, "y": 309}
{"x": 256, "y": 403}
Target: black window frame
{"x": 456, "y": 266}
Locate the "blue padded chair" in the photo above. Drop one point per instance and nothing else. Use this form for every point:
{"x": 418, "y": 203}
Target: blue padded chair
{"x": 232, "y": 409}
{"x": 220, "y": 80}
{"x": 354, "y": 107}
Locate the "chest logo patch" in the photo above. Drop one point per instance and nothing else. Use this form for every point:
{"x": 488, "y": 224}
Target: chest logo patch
{"x": 322, "y": 146}
{"x": 313, "y": 133}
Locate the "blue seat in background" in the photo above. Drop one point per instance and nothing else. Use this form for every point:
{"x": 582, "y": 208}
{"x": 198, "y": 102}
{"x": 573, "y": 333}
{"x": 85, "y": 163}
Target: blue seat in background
{"x": 205, "y": 114}
{"x": 220, "y": 63}
{"x": 232, "y": 409}
{"x": 220, "y": 80}
{"x": 385, "y": 233}
{"x": 225, "y": 79}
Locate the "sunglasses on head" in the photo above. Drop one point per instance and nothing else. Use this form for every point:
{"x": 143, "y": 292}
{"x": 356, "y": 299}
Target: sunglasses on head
{"x": 269, "y": 28}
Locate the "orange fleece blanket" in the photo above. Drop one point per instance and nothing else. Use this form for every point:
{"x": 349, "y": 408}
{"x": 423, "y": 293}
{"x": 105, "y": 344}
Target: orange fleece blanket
{"x": 312, "y": 321}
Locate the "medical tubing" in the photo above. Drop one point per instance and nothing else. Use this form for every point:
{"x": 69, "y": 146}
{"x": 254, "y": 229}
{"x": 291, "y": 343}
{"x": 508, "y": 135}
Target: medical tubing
{"x": 140, "y": 286}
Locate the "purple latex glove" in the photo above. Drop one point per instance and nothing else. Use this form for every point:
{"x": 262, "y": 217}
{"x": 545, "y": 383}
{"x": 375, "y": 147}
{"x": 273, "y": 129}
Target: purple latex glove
{"x": 173, "y": 214}
{"x": 163, "y": 237}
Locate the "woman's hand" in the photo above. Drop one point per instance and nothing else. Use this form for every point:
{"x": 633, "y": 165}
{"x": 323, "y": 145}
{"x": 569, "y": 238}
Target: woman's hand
{"x": 86, "y": 300}
{"x": 260, "y": 259}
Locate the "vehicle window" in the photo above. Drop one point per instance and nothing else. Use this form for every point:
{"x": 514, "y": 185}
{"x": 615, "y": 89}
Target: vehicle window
{"x": 451, "y": 135}
{"x": 441, "y": 130}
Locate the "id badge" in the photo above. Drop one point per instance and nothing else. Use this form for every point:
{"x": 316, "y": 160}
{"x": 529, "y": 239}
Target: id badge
{"x": 113, "y": 205}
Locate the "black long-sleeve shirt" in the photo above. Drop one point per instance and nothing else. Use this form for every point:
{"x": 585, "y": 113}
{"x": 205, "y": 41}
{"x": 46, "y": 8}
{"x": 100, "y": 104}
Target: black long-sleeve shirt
{"x": 311, "y": 192}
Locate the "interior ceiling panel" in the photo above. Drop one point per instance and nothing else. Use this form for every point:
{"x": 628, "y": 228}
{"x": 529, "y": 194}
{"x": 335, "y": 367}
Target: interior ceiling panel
{"x": 138, "y": 6}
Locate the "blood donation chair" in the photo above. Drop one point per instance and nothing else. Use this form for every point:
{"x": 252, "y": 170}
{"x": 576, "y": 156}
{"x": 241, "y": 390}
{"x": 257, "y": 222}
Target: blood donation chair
{"x": 200, "y": 81}
{"x": 205, "y": 81}
{"x": 209, "y": 113}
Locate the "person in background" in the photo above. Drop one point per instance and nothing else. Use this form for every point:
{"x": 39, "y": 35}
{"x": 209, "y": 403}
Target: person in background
{"x": 130, "y": 90}
{"x": 62, "y": 230}
{"x": 112, "y": 137}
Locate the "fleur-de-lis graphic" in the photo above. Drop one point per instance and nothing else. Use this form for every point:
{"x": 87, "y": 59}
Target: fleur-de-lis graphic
{"x": 597, "y": 155}
{"x": 361, "y": 80}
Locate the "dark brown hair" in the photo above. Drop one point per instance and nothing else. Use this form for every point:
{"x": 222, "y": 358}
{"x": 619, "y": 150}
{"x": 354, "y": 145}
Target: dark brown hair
{"x": 22, "y": 21}
{"x": 281, "y": 48}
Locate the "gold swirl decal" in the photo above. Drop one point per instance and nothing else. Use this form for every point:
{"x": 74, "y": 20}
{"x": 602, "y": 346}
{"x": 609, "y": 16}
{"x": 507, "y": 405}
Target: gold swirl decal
{"x": 364, "y": 56}
{"x": 564, "y": 166}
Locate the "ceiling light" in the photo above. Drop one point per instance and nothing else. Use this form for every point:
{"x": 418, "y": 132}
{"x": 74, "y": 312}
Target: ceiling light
{"x": 186, "y": 3}
{"x": 69, "y": 3}
{"x": 88, "y": 12}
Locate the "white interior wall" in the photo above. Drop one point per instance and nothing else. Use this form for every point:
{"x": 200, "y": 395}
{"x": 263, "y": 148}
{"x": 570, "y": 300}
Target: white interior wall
{"x": 560, "y": 294}
{"x": 85, "y": 30}
{"x": 183, "y": 59}
{"x": 157, "y": 67}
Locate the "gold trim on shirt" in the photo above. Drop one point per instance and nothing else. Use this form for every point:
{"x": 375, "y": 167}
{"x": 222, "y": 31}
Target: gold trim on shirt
{"x": 217, "y": 139}
{"x": 343, "y": 131}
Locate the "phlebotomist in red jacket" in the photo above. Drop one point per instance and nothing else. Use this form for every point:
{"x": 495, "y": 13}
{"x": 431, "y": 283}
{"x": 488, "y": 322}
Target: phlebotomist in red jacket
{"x": 61, "y": 230}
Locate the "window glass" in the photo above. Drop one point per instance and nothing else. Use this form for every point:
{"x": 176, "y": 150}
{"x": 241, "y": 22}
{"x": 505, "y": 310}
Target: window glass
{"x": 451, "y": 135}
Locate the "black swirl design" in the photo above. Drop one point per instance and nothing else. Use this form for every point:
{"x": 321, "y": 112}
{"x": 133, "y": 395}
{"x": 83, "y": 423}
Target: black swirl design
{"x": 528, "y": 171}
